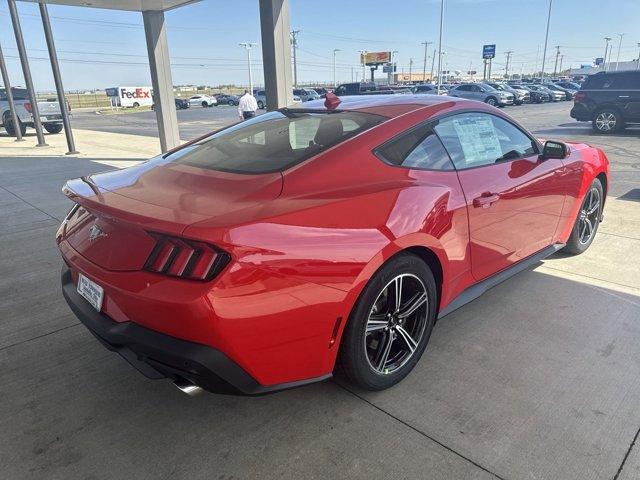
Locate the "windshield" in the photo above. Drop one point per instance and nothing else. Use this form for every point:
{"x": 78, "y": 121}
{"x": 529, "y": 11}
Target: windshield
{"x": 274, "y": 141}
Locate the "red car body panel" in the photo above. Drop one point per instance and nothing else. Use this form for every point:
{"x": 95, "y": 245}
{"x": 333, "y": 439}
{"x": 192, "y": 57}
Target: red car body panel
{"x": 305, "y": 242}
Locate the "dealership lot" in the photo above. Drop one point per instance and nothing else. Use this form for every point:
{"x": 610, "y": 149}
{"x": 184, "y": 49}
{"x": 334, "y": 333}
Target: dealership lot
{"x": 536, "y": 379}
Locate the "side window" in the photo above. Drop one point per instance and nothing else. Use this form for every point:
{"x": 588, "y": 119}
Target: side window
{"x": 628, "y": 81}
{"x": 476, "y": 139}
{"x": 419, "y": 148}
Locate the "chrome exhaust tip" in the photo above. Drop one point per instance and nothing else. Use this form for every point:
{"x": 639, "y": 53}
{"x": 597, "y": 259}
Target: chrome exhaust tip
{"x": 185, "y": 386}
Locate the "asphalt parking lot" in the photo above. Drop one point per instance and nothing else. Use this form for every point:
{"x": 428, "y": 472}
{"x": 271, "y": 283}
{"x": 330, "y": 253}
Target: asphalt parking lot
{"x": 537, "y": 379}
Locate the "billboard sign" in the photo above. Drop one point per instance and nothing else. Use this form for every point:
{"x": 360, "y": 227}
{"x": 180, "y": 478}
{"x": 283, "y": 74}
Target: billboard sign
{"x": 489, "y": 51}
{"x": 375, "y": 58}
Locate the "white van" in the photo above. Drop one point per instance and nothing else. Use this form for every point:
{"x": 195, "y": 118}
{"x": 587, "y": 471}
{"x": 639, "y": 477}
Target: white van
{"x": 130, "y": 96}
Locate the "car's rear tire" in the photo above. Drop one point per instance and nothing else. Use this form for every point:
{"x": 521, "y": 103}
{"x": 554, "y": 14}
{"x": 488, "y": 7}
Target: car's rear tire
{"x": 10, "y": 128}
{"x": 382, "y": 341}
{"x": 204, "y": 104}
{"x": 587, "y": 221}
{"x": 136, "y": 104}
{"x": 53, "y": 127}
{"x": 493, "y": 101}
{"x": 260, "y": 104}
{"x": 607, "y": 120}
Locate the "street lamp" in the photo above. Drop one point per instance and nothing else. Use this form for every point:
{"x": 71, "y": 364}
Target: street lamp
{"x": 362, "y": 54}
{"x": 638, "y": 66}
{"x": 546, "y": 39}
{"x": 619, "y": 46}
{"x": 248, "y": 47}
{"x": 335, "y": 50}
{"x": 606, "y": 50}
{"x": 440, "y": 45}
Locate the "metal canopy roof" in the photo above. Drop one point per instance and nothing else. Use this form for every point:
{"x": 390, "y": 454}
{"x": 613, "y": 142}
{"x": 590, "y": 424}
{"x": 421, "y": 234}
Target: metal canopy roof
{"x": 130, "y": 5}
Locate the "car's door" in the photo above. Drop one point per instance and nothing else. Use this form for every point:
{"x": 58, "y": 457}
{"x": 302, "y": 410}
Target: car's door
{"x": 514, "y": 197}
{"x": 627, "y": 86}
{"x": 195, "y": 100}
{"x": 463, "y": 91}
{"x": 477, "y": 93}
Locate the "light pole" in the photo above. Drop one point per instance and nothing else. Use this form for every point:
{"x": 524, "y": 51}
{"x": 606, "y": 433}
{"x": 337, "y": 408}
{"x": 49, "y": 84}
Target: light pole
{"x": 362, "y": 54}
{"x": 424, "y": 64}
{"x": 555, "y": 66}
{"x": 561, "y": 58}
{"x": 619, "y": 46}
{"x": 546, "y": 39}
{"x": 606, "y": 50}
{"x": 335, "y": 50}
{"x": 433, "y": 61}
{"x": 638, "y": 66}
{"x": 248, "y": 47}
{"x": 410, "y": 70}
{"x": 440, "y": 45}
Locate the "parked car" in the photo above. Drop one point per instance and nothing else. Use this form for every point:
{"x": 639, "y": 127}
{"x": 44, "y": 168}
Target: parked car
{"x": 322, "y": 91}
{"x": 49, "y": 110}
{"x": 429, "y": 89}
{"x": 482, "y": 93}
{"x": 569, "y": 85}
{"x": 554, "y": 95}
{"x": 181, "y": 104}
{"x": 227, "y": 99}
{"x": 536, "y": 96}
{"x": 203, "y": 101}
{"x": 519, "y": 96}
{"x": 284, "y": 253}
{"x": 306, "y": 94}
{"x": 610, "y": 100}
{"x": 362, "y": 88}
{"x": 261, "y": 98}
{"x": 567, "y": 93}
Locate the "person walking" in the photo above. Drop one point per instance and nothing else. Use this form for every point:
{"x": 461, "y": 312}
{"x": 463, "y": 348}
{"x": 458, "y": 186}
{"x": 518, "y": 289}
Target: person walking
{"x": 247, "y": 106}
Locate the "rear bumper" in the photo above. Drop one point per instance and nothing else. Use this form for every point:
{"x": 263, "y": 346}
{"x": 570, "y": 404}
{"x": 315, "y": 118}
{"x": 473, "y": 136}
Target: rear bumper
{"x": 157, "y": 355}
{"x": 580, "y": 112}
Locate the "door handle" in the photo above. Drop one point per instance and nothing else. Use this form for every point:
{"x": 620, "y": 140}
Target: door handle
{"x": 623, "y": 96}
{"x": 485, "y": 200}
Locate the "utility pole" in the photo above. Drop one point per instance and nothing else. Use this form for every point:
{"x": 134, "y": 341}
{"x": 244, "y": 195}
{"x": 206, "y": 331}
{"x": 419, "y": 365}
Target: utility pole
{"x": 561, "y": 59}
{"x": 537, "y": 56}
{"x": 606, "y": 51}
{"x": 294, "y": 44}
{"x": 619, "y": 46}
{"x": 638, "y": 66}
{"x": 248, "y": 47}
{"x": 546, "y": 40}
{"x": 410, "y": 68}
{"x": 555, "y": 66}
{"x": 440, "y": 45}
{"x": 335, "y": 50}
{"x": 506, "y": 68}
{"x": 362, "y": 55}
{"x": 424, "y": 64}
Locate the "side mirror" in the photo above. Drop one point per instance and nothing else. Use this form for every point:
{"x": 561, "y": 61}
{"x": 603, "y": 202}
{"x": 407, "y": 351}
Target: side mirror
{"x": 555, "y": 150}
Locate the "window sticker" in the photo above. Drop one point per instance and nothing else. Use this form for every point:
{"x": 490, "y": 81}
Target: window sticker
{"x": 479, "y": 139}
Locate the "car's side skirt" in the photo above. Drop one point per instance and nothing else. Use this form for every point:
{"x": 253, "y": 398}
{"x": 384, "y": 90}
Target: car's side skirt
{"x": 477, "y": 289}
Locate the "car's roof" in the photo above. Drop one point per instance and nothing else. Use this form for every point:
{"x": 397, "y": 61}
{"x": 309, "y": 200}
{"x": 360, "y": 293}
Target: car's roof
{"x": 387, "y": 105}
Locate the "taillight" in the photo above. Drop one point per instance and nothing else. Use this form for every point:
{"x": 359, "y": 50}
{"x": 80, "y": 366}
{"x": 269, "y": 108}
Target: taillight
{"x": 579, "y": 96}
{"x": 28, "y": 107}
{"x": 183, "y": 258}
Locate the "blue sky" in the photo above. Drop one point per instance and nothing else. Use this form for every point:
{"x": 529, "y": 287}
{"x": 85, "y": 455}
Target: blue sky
{"x": 100, "y": 48}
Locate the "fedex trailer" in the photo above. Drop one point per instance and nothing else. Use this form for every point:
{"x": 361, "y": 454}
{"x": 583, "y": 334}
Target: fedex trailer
{"x": 130, "y": 96}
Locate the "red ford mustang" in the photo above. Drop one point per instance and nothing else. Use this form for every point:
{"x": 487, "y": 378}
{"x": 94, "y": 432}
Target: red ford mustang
{"x": 261, "y": 256}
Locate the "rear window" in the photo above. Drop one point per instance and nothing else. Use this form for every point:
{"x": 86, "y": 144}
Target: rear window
{"x": 275, "y": 141}
{"x": 18, "y": 94}
{"x": 626, "y": 81}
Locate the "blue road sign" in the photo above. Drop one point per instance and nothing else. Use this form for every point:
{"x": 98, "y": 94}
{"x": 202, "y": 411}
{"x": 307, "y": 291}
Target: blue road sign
{"x": 599, "y": 60}
{"x": 489, "y": 51}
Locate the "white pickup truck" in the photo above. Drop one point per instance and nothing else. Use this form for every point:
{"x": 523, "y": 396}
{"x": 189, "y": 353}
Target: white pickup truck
{"x": 50, "y": 115}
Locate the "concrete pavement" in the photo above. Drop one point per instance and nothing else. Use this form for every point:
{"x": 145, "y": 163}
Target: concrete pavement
{"x": 537, "y": 379}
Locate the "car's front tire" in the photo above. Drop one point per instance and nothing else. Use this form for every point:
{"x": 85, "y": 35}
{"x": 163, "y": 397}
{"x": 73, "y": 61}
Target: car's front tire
{"x": 387, "y": 333}
{"x": 493, "y": 101}
{"x": 587, "y": 221}
{"x": 607, "y": 120}
{"x": 260, "y": 104}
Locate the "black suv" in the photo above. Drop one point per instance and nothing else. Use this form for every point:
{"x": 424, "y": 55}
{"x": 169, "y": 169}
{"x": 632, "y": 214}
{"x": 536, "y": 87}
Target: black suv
{"x": 610, "y": 100}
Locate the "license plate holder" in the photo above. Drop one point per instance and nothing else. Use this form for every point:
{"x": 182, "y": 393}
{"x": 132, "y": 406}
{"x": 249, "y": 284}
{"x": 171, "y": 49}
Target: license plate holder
{"x": 90, "y": 291}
